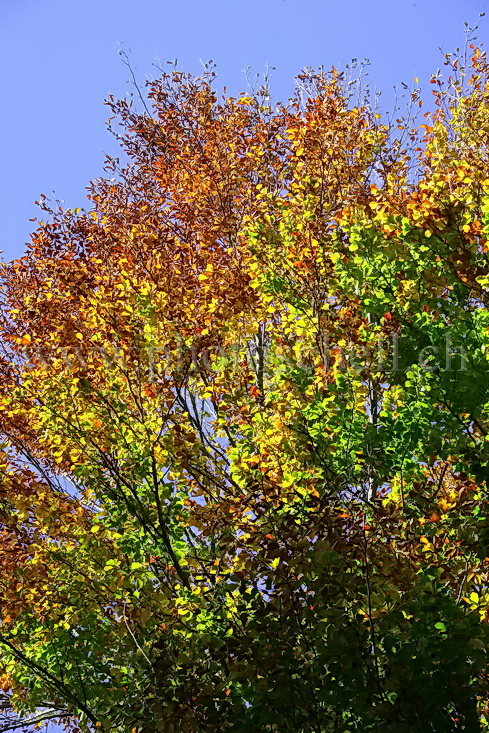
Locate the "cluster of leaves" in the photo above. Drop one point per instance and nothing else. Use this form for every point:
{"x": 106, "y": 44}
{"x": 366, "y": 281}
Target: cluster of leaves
{"x": 244, "y": 405}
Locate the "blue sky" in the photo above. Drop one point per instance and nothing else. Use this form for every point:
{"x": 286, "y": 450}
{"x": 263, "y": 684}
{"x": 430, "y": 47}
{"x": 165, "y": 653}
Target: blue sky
{"x": 59, "y": 60}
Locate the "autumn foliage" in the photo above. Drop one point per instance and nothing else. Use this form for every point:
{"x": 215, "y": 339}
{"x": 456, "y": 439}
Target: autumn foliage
{"x": 244, "y": 405}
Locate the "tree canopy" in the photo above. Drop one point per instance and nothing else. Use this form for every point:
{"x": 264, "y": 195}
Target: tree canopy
{"x": 244, "y": 406}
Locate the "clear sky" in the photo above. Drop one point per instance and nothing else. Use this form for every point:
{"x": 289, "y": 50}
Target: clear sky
{"x": 59, "y": 60}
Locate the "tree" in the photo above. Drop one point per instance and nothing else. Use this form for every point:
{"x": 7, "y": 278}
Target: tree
{"x": 245, "y": 417}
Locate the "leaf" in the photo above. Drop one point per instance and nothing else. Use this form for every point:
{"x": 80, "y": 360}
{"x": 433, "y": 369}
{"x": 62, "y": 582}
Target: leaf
{"x": 244, "y": 412}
